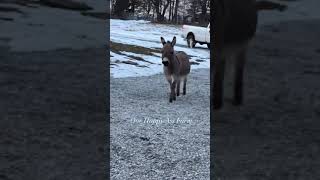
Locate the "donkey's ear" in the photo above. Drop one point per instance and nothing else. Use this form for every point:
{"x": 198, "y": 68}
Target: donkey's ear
{"x": 174, "y": 41}
{"x": 163, "y": 41}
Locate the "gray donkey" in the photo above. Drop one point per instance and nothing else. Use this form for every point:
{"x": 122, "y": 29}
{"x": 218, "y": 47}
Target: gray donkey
{"x": 234, "y": 25}
{"x": 176, "y": 67}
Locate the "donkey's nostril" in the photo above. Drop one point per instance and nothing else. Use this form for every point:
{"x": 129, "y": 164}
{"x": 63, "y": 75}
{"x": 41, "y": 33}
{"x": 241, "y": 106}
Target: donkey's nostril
{"x": 165, "y": 63}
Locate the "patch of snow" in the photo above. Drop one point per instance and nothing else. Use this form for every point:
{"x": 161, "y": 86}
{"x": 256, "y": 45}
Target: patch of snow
{"x": 122, "y": 70}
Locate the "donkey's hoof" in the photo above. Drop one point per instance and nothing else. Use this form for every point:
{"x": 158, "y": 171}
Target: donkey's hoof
{"x": 178, "y": 94}
{"x": 174, "y": 98}
{"x": 237, "y": 102}
{"x": 217, "y": 105}
{"x": 184, "y": 93}
{"x": 170, "y": 100}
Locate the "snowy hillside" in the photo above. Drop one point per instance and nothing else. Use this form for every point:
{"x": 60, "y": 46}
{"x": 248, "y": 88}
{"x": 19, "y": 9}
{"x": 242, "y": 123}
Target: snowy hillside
{"x": 135, "y": 48}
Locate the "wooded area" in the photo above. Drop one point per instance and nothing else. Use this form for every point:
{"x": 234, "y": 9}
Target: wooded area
{"x": 169, "y": 11}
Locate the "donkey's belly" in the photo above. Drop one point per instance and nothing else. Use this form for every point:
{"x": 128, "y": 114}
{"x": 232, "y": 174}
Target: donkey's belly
{"x": 184, "y": 63}
{"x": 185, "y": 70}
{"x": 240, "y": 20}
{"x": 231, "y": 50}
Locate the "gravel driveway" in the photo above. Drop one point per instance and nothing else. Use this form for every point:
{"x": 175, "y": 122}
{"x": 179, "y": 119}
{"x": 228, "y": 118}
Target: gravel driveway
{"x": 154, "y": 139}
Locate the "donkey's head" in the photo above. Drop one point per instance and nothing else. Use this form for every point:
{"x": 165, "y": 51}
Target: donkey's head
{"x": 167, "y": 51}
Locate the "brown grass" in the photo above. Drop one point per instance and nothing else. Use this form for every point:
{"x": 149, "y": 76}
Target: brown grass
{"x": 117, "y": 47}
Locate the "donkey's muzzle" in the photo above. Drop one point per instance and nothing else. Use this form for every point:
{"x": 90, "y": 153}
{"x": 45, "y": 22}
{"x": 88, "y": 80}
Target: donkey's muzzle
{"x": 165, "y": 63}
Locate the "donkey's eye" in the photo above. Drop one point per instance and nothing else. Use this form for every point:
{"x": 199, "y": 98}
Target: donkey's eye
{"x": 171, "y": 52}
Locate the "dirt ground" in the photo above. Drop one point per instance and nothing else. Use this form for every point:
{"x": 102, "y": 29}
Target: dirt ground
{"x": 275, "y": 135}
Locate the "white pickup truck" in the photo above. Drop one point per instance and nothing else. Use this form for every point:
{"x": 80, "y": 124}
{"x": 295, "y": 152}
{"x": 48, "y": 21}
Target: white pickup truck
{"x": 195, "y": 34}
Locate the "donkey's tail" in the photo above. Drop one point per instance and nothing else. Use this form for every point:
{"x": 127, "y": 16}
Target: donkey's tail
{"x": 268, "y": 5}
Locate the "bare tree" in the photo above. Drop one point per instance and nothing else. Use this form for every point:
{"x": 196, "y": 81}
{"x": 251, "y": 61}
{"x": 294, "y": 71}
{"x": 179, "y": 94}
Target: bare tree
{"x": 119, "y": 7}
{"x": 203, "y": 11}
{"x": 146, "y": 6}
{"x": 164, "y": 9}
{"x": 172, "y": 11}
{"x": 156, "y": 4}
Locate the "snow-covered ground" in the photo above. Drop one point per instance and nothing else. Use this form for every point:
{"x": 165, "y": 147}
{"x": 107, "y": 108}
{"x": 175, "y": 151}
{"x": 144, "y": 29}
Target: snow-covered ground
{"x": 147, "y": 35}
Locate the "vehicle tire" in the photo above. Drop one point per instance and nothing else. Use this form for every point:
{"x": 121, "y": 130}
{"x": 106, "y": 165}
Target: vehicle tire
{"x": 191, "y": 41}
{"x": 208, "y": 45}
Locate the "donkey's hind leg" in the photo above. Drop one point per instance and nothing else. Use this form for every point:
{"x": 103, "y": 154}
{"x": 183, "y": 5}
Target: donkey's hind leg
{"x": 238, "y": 77}
{"x": 184, "y": 85}
{"x": 178, "y": 87}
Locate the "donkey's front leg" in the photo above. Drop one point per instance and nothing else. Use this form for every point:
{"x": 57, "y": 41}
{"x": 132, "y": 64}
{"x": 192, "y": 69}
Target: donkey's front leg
{"x": 238, "y": 78}
{"x": 173, "y": 92}
{"x": 218, "y": 83}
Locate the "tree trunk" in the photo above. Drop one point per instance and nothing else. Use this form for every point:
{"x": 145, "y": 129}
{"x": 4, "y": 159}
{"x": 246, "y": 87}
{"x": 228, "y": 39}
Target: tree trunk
{"x": 170, "y": 9}
{"x": 153, "y": 12}
{"x": 148, "y": 8}
{"x": 157, "y": 8}
{"x": 165, "y": 8}
{"x": 176, "y": 12}
{"x": 203, "y": 12}
{"x": 133, "y": 6}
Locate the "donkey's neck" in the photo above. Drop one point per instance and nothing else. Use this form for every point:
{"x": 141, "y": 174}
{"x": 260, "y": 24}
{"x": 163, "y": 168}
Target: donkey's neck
{"x": 173, "y": 67}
